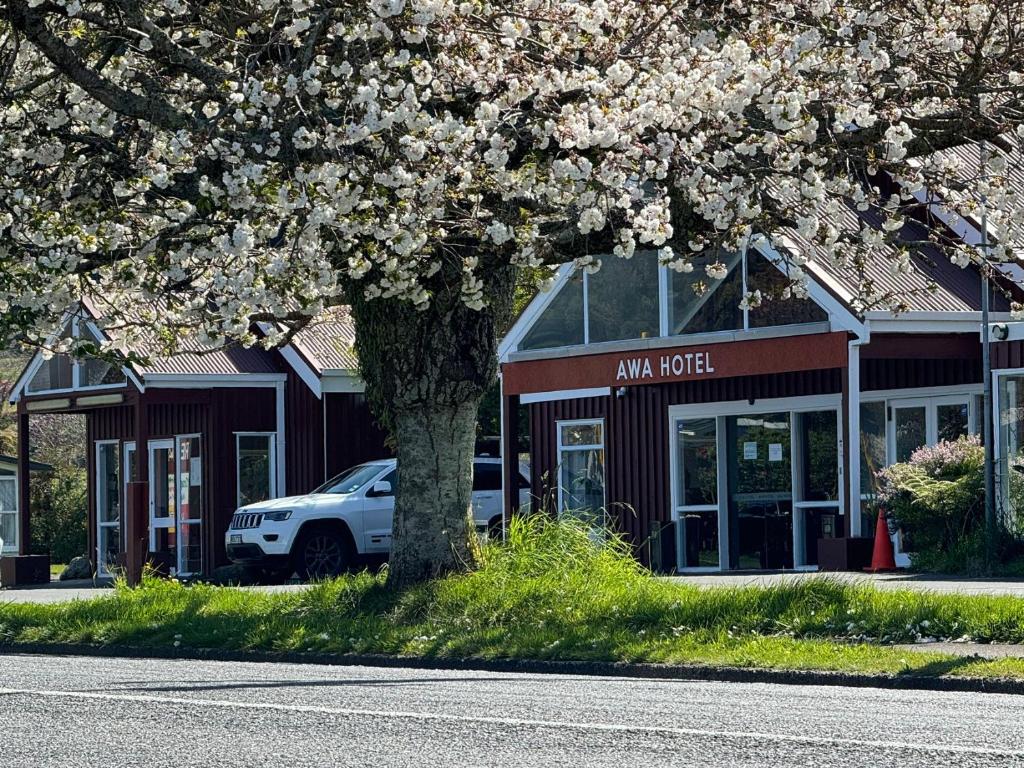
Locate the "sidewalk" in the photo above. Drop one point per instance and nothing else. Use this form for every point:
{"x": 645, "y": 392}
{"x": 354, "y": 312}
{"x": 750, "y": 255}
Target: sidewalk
{"x": 919, "y": 582}
{"x": 59, "y": 591}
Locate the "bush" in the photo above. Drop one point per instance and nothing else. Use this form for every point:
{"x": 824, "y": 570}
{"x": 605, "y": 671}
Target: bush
{"x": 60, "y": 514}
{"x": 938, "y": 496}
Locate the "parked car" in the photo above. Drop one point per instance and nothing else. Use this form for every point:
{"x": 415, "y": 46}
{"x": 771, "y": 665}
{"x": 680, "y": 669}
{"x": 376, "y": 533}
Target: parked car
{"x": 346, "y": 520}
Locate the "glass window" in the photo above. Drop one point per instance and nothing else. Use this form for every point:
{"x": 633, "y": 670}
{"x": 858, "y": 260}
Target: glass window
{"x": 255, "y": 468}
{"x": 697, "y": 447}
{"x": 108, "y": 505}
{"x": 190, "y": 503}
{"x": 561, "y": 324}
{"x": 701, "y": 304}
{"x": 952, "y": 421}
{"x": 622, "y": 298}
{"x": 820, "y": 447}
{"x": 54, "y": 373}
{"x": 581, "y": 481}
{"x": 486, "y": 476}
{"x": 1011, "y": 441}
{"x": 872, "y": 445}
{"x": 777, "y": 307}
{"x": 9, "y": 514}
{"x": 580, "y": 434}
{"x": 352, "y": 479}
{"x": 96, "y": 373}
{"x": 911, "y": 431}
{"x": 698, "y": 462}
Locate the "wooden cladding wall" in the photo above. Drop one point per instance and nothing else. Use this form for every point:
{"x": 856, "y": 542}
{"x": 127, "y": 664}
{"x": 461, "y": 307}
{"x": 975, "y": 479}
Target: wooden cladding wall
{"x": 304, "y": 432}
{"x": 1008, "y": 354}
{"x": 352, "y": 433}
{"x": 637, "y": 450}
{"x": 910, "y": 373}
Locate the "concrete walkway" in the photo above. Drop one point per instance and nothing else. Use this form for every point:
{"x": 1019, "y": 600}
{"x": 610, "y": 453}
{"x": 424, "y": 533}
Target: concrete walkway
{"x": 60, "y": 591}
{"x": 919, "y": 582}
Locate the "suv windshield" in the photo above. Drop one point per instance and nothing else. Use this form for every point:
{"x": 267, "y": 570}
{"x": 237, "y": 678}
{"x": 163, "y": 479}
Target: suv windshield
{"x": 351, "y": 480}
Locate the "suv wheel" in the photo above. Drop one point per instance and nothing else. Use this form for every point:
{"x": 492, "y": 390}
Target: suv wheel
{"x": 321, "y": 553}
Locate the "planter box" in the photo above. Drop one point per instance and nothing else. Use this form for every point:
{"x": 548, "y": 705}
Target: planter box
{"x": 24, "y": 570}
{"x": 845, "y": 554}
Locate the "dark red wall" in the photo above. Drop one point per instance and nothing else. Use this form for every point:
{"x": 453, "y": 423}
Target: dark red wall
{"x": 304, "y": 430}
{"x": 637, "y": 440}
{"x": 352, "y": 433}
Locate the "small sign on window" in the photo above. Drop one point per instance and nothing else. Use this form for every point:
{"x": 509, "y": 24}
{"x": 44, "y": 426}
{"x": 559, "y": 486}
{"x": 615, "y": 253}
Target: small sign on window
{"x": 749, "y": 451}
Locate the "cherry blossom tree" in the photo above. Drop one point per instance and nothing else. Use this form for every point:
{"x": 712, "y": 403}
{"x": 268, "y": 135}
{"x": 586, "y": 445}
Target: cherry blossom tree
{"x": 203, "y": 167}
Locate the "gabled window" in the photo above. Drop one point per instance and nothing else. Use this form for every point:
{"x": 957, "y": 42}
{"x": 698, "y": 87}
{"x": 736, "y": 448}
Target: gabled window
{"x": 65, "y": 372}
{"x": 636, "y": 299}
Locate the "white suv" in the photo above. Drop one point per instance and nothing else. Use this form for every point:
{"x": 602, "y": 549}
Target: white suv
{"x": 345, "y": 520}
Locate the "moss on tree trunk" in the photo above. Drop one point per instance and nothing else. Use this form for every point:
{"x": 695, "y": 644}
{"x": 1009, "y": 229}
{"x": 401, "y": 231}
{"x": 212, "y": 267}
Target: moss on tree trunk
{"x": 426, "y": 372}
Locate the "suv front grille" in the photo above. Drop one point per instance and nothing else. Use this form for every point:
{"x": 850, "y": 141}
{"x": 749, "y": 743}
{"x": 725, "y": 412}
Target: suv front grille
{"x": 242, "y": 520}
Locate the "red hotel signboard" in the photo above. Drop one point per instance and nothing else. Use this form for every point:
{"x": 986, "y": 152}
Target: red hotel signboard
{"x": 684, "y": 363}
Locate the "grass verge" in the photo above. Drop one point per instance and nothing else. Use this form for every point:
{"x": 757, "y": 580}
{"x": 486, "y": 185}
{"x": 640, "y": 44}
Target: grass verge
{"x": 549, "y": 593}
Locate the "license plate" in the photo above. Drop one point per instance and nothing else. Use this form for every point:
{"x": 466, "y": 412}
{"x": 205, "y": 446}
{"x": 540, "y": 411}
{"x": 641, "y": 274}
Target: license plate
{"x": 236, "y": 538}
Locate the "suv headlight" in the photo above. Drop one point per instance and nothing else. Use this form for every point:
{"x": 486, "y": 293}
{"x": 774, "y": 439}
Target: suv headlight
{"x": 276, "y": 517}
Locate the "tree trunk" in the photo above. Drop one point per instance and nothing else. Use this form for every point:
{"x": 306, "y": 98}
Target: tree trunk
{"x": 426, "y": 371}
{"x": 433, "y": 530}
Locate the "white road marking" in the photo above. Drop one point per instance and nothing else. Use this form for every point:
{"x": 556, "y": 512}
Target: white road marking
{"x": 509, "y": 721}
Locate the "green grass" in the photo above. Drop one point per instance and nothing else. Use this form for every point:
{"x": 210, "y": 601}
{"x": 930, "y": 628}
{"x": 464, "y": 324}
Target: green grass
{"x": 56, "y": 568}
{"x": 549, "y": 594}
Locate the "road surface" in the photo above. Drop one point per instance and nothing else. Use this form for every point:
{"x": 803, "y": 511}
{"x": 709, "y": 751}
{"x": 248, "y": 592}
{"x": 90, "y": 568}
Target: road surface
{"x": 76, "y": 711}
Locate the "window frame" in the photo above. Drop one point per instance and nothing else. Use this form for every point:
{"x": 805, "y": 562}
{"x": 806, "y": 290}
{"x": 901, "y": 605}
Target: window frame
{"x": 271, "y": 465}
{"x": 76, "y": 366}
{"x": 119, "y": 463}
{"x": 664, "y": 288}
{"x": 579, "y": 448}
{"x": 12, "y": 547}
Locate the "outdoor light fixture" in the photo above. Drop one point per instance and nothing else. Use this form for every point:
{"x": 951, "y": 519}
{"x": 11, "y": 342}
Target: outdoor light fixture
{"x": 621, "y": 392}
{"x": 1000, "y": 331}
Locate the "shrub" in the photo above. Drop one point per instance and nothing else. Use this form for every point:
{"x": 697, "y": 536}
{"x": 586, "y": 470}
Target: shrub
{"x": 60, "y": 514}
{"x": 938, "y": 496}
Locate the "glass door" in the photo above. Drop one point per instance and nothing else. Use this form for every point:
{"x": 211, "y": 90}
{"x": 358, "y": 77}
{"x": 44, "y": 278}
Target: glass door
{"x": 696, "y": 513}
{"x": 760, "y": 491}
{"x": 817, "y": 507}
{"x": 163, "y": 533}
{"x": 190, "y": 504}
{"x": 108, "y": 506}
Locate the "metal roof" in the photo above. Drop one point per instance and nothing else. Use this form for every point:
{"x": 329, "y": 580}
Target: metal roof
{"x": 932, "y": 284}
{"x": 329, "y": 343}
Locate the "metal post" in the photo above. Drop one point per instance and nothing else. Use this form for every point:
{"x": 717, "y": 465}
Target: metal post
{"x": 986, "y": 362}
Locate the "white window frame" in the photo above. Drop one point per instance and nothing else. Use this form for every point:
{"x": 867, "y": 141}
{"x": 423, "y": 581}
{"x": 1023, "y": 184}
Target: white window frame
{"x": 929, "y": 398}
{"x": 76, "y": 366}
{"x": 99, "y": 445}
{"x": 200, "y": 522}
{"x": 11, "y": 547}
{"x": 166, "y": 521}
{"x": 587, "y": 447}
{"x": 677, "y": 475}
{"x": 721, "y": 411}
{"x": 996, "y": 431}
{"x": 272, "y": 442}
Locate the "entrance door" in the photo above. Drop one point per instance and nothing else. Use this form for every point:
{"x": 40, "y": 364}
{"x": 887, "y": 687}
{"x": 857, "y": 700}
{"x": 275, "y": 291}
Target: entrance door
{"x": 760, "y": 491}
{"x": 190, "y": 504}
{"x": 163, "y": 532}
{"x": 108, "y": 506}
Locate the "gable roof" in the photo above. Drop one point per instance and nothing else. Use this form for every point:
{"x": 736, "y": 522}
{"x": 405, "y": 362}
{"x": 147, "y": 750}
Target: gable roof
{"x": 933, "y": 284}
{"x": 328, "y": 343}
{"x": 35, "y": 466}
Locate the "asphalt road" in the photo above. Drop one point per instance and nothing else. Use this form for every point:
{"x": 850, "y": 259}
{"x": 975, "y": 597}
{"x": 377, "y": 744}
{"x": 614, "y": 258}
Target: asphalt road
{"x": 76, "y": 711}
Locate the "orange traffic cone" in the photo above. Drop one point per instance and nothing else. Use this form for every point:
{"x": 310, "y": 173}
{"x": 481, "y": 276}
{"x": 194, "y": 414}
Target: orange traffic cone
{"x": 883, "y": 558}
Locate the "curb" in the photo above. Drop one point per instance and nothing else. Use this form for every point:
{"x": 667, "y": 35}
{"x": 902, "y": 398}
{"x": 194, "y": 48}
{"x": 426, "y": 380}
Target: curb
{"x": 642, "y": 670}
